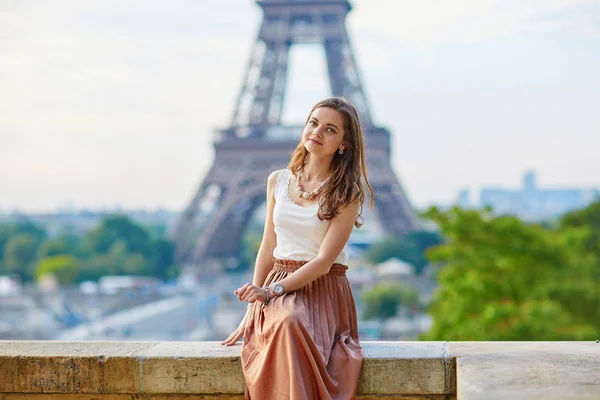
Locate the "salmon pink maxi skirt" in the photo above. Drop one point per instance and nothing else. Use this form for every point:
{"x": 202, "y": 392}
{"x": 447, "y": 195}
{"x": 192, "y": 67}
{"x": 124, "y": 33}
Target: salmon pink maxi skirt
{"x": 304, "y": 344}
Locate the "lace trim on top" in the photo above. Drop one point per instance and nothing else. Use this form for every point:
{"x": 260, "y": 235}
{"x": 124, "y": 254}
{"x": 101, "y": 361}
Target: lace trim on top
{"x": 279, "y": 184}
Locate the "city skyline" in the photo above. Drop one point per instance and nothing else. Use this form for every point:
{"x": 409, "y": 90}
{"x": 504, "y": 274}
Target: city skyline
{"x": 116, "y": 103}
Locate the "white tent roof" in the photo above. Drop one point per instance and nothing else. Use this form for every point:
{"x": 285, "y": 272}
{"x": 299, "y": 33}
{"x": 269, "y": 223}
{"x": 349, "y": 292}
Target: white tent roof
{"x": 394, "y": 266}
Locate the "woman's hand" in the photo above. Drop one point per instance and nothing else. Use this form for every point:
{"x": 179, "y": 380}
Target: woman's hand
{"x": 239, "y": 331}
{"x": 235, "y": 335}
{"x": 251, "y": 293}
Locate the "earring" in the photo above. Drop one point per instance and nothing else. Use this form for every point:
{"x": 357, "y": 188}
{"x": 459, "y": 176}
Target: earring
{"x": 341, "y": 151}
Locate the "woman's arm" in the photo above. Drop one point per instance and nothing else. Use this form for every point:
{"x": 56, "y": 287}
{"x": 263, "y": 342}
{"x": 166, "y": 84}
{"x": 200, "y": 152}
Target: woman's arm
{"x": 264, "y": 258}
{"x": 334, "y": 241}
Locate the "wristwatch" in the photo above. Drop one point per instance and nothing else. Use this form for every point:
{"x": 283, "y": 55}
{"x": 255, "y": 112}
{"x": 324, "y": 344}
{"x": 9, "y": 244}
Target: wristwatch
{"x": 278, "y": 289}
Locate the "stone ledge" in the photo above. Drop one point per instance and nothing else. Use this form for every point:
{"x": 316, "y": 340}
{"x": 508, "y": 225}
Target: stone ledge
{"x": 527, "y": 370}
{"x": 207, "y": 370}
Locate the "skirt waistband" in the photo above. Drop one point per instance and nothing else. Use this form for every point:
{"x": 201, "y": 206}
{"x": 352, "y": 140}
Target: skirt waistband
{"x": 292, "y": 265}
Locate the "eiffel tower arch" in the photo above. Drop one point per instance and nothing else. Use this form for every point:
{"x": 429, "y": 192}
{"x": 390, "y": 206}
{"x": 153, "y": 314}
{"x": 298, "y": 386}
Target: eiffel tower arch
{"x": 256, "y": 142}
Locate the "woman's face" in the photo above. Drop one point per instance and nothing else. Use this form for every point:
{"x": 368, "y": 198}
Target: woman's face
{"x": 324, "y": 133}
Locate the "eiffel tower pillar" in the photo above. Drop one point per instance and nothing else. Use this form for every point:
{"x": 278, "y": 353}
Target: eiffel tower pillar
{"x": 256, "y": 143}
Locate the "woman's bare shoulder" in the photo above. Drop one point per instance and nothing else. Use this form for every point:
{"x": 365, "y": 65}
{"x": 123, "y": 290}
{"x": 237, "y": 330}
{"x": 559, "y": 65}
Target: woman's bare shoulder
{"x": 273, "y": 177}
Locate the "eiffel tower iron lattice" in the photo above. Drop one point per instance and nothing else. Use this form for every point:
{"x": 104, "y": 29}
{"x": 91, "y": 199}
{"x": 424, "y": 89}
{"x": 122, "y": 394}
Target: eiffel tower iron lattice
{"x": 256, "y": 143}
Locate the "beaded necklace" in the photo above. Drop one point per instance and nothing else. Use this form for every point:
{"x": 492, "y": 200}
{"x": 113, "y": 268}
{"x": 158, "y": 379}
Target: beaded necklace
{"x": 306, "y": 195}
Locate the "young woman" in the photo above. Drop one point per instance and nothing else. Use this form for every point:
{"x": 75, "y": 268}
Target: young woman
{"x": 300, "y": 330}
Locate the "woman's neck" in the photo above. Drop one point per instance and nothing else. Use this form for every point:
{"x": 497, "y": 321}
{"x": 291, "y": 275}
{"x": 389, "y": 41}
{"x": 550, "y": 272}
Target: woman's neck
{"x": 316, "y": 169}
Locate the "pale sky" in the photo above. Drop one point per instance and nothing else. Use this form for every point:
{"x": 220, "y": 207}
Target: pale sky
{"x": 112, "y": 102}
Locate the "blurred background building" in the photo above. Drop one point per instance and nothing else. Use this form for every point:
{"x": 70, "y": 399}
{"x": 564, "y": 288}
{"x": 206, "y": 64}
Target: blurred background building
{"x": 531, "y": 202}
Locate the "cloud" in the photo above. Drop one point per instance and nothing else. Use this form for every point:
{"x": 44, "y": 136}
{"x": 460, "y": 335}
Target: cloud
{"x": 427, "y": 24}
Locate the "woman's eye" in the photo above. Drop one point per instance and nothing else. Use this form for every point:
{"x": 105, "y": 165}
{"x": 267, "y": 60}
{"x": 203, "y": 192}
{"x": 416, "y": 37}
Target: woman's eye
{"x": 330, "y": 130}
{"x": 311, "y": 122}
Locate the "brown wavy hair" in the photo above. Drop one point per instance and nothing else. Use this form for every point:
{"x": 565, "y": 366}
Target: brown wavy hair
{"x": 348, "y": 181}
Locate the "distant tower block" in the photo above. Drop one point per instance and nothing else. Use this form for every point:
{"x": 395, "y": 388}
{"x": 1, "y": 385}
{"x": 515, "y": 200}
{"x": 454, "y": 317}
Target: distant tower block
{"x": 256, "y": 143}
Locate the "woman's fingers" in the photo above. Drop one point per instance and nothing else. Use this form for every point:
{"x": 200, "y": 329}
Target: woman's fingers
{"x": 248, "y": 292}
{"x": 226, "y": 341}
{"x": 257, "y": 295}
{"x": 233, "y": 338}
{"x": 241, "y": 292}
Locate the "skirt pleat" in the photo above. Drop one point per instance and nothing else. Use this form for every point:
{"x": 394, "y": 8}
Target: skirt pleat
{"x": 304, "y": 344}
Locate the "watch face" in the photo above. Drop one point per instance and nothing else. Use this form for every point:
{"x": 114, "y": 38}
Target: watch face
{"x": 278, "y": 289}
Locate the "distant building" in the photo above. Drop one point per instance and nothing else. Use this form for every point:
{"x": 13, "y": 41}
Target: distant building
{"x": 464, "y": 200}
{"x": 532, "y": 203}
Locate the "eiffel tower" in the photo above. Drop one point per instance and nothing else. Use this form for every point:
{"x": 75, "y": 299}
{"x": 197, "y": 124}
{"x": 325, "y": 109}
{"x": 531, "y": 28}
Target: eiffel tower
{"x": 256, "y": 142}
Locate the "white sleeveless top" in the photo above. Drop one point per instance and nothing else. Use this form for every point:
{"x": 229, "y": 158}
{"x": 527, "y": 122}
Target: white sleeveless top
{"x": 299, "y": 230}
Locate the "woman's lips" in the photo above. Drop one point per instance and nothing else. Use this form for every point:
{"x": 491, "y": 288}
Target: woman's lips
{"x": 314, "y": 141}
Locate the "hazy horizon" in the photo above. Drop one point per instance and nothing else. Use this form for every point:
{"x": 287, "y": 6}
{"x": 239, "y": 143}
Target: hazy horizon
{"x": 114, "y": 103}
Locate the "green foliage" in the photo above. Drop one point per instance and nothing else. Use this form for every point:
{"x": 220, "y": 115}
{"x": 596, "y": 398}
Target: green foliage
{"x": 27, "y": 228}
{"x": 385, "y": 299}
{"x": 587, "y": 217}
{"x": 249, "y": 249}
{"x": 119, "y": 246}
{"x": 5, "y": 234}
{"x": 117, "y": 228}
{"x": 163, "y": 257}
{"x": 117, "y": 261}
{"x": 20, "y": 255}
{"x": 53, "y": 247}
{"x": 505, "y": 280}
{"x": 116, "y": 246}
{"x": 63, "y": 267}
{"x": 410, "y": 248}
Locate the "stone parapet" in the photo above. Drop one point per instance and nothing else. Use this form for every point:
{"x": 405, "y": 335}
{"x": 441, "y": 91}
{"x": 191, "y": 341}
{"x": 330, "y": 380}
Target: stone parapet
{"x": 206, "y": 370}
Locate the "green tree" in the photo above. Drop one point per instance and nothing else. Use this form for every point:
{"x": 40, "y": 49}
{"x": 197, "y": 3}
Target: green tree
{"x": 116, "y": 246}
{"x": 249, "y": 249}
{"x": 63, "y": 267}
{"x": 29, "y": 228}
{"x": 117, "y": 228}
{"x": 53, "y": 247}
{"x": 5, "y": 234}
{"x": 72, "y": 240}
{"x": 163, "y": 258}
{"x": 95, "y": 267}
{"x": 20, "y": 253}
{"x": 117, "y": 261}
{"x": 119, "y": 246}
{"x": 384, "y": 300}
{"x": 586, "y": 217}
{"x": 505, "y": 280}
{"x": 15, "y": 228}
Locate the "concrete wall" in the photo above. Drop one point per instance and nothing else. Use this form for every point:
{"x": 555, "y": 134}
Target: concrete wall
{"x": 209, "y": 371}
